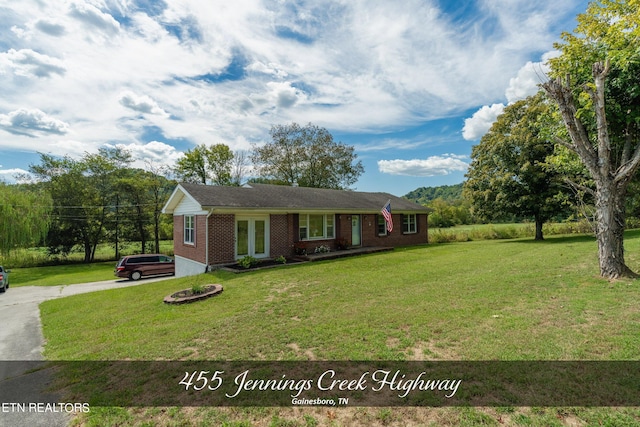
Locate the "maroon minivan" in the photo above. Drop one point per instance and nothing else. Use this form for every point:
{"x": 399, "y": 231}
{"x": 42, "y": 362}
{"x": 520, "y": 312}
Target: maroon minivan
{"x": 134, "y": 267}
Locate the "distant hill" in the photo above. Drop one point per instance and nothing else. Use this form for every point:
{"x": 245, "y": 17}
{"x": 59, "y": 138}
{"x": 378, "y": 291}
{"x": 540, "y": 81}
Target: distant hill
{"x": 424, "y": 195}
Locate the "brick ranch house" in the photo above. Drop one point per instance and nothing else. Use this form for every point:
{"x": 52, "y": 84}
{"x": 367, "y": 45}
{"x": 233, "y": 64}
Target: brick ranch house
{"x": 217, "y": 225}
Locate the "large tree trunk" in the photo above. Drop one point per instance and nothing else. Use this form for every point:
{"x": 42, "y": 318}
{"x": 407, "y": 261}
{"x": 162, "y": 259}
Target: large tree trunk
{"x": 539, "y": 223}
{"x": 610, "y": 222}
{"x": 87, "y": 248}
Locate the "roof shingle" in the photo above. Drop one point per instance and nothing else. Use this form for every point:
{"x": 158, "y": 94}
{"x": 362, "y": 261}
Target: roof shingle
{"x": 265, "y": 196}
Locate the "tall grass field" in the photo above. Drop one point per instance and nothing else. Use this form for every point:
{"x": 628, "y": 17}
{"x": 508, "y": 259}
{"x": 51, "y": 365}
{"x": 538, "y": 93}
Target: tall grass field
{"x": 512, "y": 300}
{"x": 467, "y": 233}
{"x": 39, "y": 256}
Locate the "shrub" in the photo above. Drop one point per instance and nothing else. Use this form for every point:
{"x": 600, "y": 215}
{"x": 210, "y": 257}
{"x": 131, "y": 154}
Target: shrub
{"x": 197, "y": 289}
{"x": 342, "y": 244}
{"x": 300, "y": 249}
{"x": 632, "y": 222}
{"x": 281, "y": 259}
{"x": 248, "y": 262}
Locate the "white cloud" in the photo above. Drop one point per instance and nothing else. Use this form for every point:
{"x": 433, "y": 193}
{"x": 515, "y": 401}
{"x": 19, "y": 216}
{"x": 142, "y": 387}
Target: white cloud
{"x": 283, "y": 95}
{"x": 272, "y": 69}
{"x": 431, "y": 166}
{"x": 481, "y": 121}
{"x": 141, "y": 104}
{"x": 155, "y": 153}
{"x": 526, "y": 83}
{"x": 32, "y": 122}
{"x": 9, "y": 175}
{"x": 93, "y": 17}
{"x": 389, "y": 144}
{"x": 51, "y": 28}
{"x": 28, "y": 63}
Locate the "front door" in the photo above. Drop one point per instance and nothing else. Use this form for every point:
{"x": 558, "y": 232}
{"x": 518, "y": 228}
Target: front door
{"x": 355, "y": 230}
{"x": 252, "y": 237}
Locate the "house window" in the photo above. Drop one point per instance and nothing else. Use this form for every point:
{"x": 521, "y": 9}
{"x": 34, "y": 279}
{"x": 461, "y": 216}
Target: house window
{"x": 316, "y": 226}
{"x": 382, "y": 226}
{"x": 189, "y": 229}
{"x": 409, "y": 224}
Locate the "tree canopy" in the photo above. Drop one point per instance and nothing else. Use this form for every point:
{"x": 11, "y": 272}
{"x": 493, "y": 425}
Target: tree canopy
{"x": 508, "y": 173}
{"x": 24, "y": 217}
{"x": 98, "y": 198}
{"x": 307, "y": 156}
{"x": 596, "y": 84}
{"x": 208, "y": 165}
{"x": 424, "y": 195}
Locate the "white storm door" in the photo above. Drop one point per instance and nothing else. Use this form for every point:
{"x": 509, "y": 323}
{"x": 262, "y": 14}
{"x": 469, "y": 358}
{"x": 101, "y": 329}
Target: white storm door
{"x": 355, "y": 231}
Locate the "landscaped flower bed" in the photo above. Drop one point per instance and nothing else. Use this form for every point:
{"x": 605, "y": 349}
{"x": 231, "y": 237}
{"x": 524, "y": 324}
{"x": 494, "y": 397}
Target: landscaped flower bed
{"x": 255, "y": 264}
{"x": 193, "y": 294}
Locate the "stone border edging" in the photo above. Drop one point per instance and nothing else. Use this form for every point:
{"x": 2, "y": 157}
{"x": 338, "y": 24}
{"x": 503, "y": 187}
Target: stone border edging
{"x": 211, "y": 290}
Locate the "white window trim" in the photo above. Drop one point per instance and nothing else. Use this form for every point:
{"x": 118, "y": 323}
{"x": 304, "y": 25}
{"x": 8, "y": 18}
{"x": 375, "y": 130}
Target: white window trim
{"x": 192, "y": 229}
{"x": 325, "y": 236}
{"x": 378, "y": 218}
{"x": 415, "y": 224}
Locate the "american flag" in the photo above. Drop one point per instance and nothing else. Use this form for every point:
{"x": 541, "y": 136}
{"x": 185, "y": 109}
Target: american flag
{"x": 386, "y": 213}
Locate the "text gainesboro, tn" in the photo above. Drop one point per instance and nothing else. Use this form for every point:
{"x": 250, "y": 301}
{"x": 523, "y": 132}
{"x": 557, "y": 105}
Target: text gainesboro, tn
{"x": 327, "y": 381}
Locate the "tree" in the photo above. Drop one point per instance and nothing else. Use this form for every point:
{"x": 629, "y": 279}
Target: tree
{"x": 424, "y": 195}
{"x": 160, "y": 189}
{"x": 142, "y": 195}
{"x": 206, "y": 165}
{"x": 134, "y": 191}
{"x": 307, "y": 156}
{"x": 24, "y": 217}
{"x": 83, "y": 194}
{"x": 102, "y": 171}
{"x": 443, "y": 214}
{"x": 596, "y": 84}
{"x": 508, "y": 174}
{"x": 64, "y": 180}
{"x": 239, "y": 167}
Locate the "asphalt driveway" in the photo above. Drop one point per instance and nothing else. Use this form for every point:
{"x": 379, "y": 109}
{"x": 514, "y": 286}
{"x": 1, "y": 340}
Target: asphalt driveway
{"x": 21, "y": 340}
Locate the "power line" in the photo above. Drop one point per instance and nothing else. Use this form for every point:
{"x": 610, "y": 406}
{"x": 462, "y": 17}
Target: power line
{"x": 83, "y": 207}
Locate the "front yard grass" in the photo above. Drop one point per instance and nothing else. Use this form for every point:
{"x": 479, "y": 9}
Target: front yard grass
{"x": 484, "y": 300}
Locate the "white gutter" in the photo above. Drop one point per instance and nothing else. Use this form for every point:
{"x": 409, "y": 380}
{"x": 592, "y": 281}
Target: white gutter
{"x": 206, "y": 249}
{"x": 249, "y": 211}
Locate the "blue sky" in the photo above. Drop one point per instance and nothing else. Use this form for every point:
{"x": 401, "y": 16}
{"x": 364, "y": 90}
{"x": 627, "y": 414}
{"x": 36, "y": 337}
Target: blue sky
{"x": 413, "y": 84}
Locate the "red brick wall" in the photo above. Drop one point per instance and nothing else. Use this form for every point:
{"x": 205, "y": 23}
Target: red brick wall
{"x": 311, "y": 245}
{"x": 369, "y": 224}
{"x": 222, "y": 238}
{"x": 195, "y": 251}
{"x": 396, "y": 237}
{"x": 281, "y": 241}
{"x": 343, "y": 228}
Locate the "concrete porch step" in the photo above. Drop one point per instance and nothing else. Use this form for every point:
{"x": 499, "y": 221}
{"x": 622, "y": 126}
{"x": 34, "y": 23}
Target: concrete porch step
{"x": 344, "y": 253}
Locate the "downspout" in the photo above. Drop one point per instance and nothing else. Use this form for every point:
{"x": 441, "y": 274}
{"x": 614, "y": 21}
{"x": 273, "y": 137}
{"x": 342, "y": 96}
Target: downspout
{"x": 206, "y": 250}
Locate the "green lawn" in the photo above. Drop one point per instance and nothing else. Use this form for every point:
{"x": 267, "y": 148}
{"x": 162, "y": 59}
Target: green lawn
{"x": 481, "y": 300}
